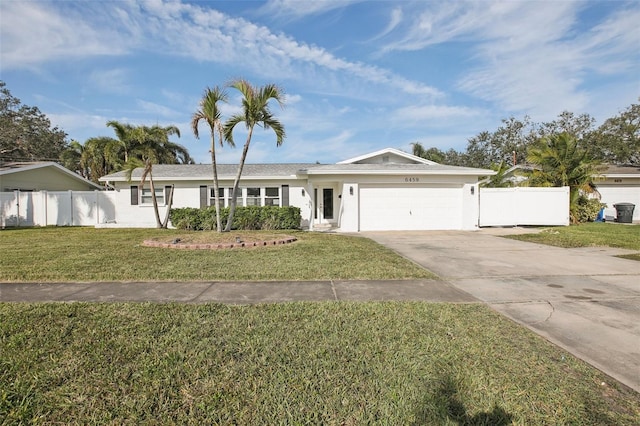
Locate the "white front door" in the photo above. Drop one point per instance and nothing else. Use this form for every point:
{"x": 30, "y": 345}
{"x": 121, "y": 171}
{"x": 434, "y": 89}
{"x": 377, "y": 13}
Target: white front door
{"x": 324, "y": 205}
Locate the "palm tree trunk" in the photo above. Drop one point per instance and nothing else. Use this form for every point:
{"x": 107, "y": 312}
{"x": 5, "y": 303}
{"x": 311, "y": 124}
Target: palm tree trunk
{"x": 232, "y": 206}
{"x": 155, "y": 201}
{"x": 216, "y": 184}
{"x": 165, "y": 224}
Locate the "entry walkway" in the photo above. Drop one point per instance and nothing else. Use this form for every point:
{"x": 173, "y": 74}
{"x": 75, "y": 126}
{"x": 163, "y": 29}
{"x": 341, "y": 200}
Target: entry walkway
{"x": 585, "y": 300}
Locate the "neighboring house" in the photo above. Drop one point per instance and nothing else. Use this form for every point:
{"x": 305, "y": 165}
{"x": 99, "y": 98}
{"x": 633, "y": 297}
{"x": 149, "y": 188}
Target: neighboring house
{"x": 45, "y": 193}
{"x": 620, "y": 184}
{"x": 42, "y": 176}
{"x": 384, "y": 190}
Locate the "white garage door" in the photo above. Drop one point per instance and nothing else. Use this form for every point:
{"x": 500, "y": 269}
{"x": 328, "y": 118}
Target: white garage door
{"x": 410, "y": 208}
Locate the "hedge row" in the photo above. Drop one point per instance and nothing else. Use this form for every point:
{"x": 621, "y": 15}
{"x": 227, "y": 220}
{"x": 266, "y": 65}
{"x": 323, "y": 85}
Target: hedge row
{"x": 247, "y": 218}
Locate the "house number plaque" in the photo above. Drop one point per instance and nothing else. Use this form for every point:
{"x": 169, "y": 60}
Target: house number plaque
{"x": 412, "y": 179}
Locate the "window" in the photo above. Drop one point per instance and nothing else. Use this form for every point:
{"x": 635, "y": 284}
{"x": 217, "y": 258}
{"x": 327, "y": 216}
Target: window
{"x": 212, "y": 197}
{"x": 272, "y": 196}
{"x": 253, "y": 197}
{"x": 146, "y": 198}
{"x": 239, "y": 199}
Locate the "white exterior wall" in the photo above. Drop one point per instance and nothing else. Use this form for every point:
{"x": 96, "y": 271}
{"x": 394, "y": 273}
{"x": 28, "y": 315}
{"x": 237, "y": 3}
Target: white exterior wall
{"x": 524, "y": 206}
{"x": 625, "y": 191}
{"x": 187, "y": 194}
{"x": 348, "y": 219}
{"x": 399, "y": 202}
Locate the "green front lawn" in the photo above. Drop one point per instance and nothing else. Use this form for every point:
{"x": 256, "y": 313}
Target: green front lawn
{"x": 334, "y": 363}
{"x": 88, "y": 254}
{"x": 596, "y": 234}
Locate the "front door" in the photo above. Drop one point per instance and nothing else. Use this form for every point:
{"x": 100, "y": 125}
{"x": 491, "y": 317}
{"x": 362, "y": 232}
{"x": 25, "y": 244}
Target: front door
{"x": 327, "y": 203}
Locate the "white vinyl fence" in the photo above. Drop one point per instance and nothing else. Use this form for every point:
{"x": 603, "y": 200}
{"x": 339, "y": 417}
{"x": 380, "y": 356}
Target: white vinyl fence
{"x": 61, "y": 208}
{"x": 498, "y": 207}
{"x": 524, "y": 206}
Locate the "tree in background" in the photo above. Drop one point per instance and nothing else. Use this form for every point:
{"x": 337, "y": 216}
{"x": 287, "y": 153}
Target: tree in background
{"x": 508, "y": 144}
{"x": 210, "y": 114}
{"x": 499, "y": 180}
{"x": 255, "y": 112}
{"x": 431, "y": 154}
{"x": 26, "y": 134}
{"x": 617, "y": 141}
{"x": 71, "y": 158}
{"x": 560, "y": 161}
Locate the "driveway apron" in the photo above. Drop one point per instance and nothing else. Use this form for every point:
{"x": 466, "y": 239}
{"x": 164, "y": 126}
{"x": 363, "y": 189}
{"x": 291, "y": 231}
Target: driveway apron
{"x": 584, "y": 300}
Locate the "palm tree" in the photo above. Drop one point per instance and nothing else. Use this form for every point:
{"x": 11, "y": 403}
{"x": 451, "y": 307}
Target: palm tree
{"x": 149, "y": 146}
{"x": 71, "y": 158}
{"x": 210, "y": 114}
{"x": 499, "y": 180}
{"x": 118, "y": 150}
{"x": 255, "y": 111}
{"x": 95, "y": 159}
{"x": 561, "y": 162}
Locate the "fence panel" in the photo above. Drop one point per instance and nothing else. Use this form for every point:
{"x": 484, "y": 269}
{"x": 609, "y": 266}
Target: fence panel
{"x": 524, "y": 206}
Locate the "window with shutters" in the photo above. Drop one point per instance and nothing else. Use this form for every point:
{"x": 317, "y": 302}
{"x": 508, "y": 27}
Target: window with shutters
{"x": 147, "y": 199}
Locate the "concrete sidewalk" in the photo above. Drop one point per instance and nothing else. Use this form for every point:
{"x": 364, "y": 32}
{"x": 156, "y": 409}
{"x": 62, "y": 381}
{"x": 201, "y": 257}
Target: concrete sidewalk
{"x": 235, "y": 292}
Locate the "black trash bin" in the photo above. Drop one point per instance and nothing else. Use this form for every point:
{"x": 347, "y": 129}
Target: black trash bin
{"x": 624, "y": 212}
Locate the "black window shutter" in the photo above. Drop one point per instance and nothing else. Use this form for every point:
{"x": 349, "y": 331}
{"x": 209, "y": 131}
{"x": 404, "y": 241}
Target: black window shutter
{"x": 134, "y": 195}
{"x": 167, "y": 191}
{"x": 203, "y": 196}
{"x": 285, "y": 195}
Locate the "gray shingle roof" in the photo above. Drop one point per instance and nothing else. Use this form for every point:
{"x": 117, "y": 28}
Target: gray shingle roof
{"x": 228, "y": 171}
{"x": 204, "y": 171}
{"x": 622, "y": 170}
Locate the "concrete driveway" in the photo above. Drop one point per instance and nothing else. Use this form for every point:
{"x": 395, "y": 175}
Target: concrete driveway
{"x": 584, "y": 300}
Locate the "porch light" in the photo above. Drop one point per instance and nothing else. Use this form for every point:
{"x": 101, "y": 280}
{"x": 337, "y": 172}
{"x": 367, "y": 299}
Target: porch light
{"x": 303, "y": 192}
{"x": 472, "y": 190}
{"x": 351, "y": 190}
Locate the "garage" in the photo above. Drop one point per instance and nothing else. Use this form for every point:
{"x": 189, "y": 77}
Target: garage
{"x": 411, "y": 207}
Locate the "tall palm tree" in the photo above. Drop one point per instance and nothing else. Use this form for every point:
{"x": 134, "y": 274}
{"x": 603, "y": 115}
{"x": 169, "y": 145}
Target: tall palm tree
{"x": 255, "y": 112}
{"x": 149, "y": 146}
{"x": 210, "y": 114}
{"x": 561, "y": 162}
{"x": 71, "y": 158}
{"x": 118, "y": 150}
{"x": 95, "y": 158}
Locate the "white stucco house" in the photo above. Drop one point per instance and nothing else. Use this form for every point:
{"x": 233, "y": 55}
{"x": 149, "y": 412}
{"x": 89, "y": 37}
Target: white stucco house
{"x": 384, "y": 190}
{"x": 620, "y": 184}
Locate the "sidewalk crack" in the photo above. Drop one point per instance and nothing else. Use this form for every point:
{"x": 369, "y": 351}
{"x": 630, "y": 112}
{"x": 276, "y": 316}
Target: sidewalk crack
{"x": 552, "y": 311}
{"x": 333, "y": 289}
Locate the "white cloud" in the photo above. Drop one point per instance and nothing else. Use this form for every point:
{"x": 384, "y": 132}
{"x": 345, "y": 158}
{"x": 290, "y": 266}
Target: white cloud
{"x": 179, "y": 29}
{"x": 111, "y": 81}
{"x": 527, "y": 56}
{"x": 431, "y": 114}
{"x": 34, "y": 32}
{"x": 296, "y": 9}
{"x": 151, "y": 108}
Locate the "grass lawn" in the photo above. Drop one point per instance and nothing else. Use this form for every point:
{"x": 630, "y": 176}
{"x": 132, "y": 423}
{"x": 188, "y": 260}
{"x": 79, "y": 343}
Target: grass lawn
{"x": 88, "y": 254}
{"x": 334, "y": 363}
{"x": 588, "y": 235}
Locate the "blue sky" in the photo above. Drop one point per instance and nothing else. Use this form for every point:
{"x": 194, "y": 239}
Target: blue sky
{"x": 359, "y": 75}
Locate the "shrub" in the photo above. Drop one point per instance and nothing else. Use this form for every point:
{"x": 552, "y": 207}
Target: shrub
{"x": 586, "y": 209}
{"x": 246, "y": 218}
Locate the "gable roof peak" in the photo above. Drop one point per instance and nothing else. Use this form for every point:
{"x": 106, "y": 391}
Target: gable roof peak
{"x": 387, "y": 155}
